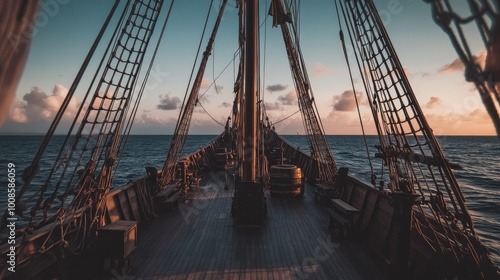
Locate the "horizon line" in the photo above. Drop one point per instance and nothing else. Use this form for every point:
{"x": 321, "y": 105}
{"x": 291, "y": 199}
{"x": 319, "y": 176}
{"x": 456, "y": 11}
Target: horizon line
{"x": 201, "y": 134}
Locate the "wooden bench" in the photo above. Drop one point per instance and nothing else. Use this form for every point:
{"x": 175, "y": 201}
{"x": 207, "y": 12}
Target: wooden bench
{"x": 323, "y": 192}
{"x": 336, "y": 218}
{"x": 341, "y": 214}
{"x": 166, "y": 198}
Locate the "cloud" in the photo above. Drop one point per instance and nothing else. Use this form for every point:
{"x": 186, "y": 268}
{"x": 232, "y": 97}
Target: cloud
{"x": 289, "y": 99}
{"x": 272, "y": 106}
{"x": 207, "y": 126}
{"x": 290, "y": 126}
{"x": 319, "y": 69}
{"x": 276, "y": 87}
{"x": 204, "y": 99}
{"x": 147, "y": 123}
{"x": 433, "y": 102}
{"x": 455, "y": 66}
{"x": 168, "y": 103}
{"x": 225, "y": 104}
{"x": 218, "y": 88}
{"x": 282, "y": 100}
{"x": 18, "y": 112}
{"x": 147, "y": 119}
{"x": 167, "y": 126}
{"x": 422, "y": 74}
{"x": 478, "y": 115}
{"x": 458, "y": 66}
{"x": 205, "y": 83}
{"x": 475, "y": 122}
{"x": 37, "y": 105}
{"x": 346, "y": 101}
{"x": 334, "y": 123}
{"x": 338, "y": 122}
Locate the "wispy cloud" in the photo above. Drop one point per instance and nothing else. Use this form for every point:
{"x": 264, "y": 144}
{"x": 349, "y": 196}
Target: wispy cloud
{"x": 433, "y": 102}
{"x": 205, "y": 83}
{"x": 276, "y": 87}
{"x": 346, "y": 101}
{"x": 475, "y": 122}
{"x": 288, "y": 99}
{"x": 225, "y": 105}
{"x": 205, "y": 99}
{"x": 218, "y": 88}
{"x": 272, "y": 106}
{"x": 455, "y": 66}
{"x": 147, "y": 119}
{"x": 168, "y": 103}
{"x": 458, "y": 66}
{"x": 423, "y": 75}
{"x": 319, "y": 69}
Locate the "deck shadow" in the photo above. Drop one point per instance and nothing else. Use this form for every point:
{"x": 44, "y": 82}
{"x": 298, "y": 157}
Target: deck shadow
{"x": 198, "y": 240}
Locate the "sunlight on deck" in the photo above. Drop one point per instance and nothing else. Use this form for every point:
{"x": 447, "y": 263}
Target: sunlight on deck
{"x": 197, "y": 240}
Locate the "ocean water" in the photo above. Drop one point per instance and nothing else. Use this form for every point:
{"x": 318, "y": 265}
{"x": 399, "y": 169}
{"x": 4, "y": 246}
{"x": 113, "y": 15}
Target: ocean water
{"x": 479, "y": 157}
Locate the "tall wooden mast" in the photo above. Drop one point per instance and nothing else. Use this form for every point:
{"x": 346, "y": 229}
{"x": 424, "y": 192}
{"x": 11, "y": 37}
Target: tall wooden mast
{"x": 251, "y": 87}
{"x": 249, "y": 206}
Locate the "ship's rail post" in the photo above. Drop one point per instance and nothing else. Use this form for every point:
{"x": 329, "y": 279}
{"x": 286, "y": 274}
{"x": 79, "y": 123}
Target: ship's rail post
{"x": 403, "y": 203}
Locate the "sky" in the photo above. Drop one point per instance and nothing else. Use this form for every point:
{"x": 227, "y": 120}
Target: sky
{"x": 65, "y": 30}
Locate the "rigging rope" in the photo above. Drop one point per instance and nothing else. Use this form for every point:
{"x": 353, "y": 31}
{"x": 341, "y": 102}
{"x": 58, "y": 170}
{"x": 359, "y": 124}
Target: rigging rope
{"x": 319, "y": 146}
{"x": 220, "y": 74}
{"x": 131, "y": 119}
{"x": 59, "y": 162}
{"x": 32, "y": 170}
{"x": 96, "y": 142}
{"x": 264, "y": 56}
{"x": 184, "y": 121}
{"x": 213, "y": 72}
{"x": 186, "y": 94}
{"x": 286, "y": 118}
{"x": 221, "y": 124}
{"x": 341, "y": 34}
{"x": 411, "y": 152}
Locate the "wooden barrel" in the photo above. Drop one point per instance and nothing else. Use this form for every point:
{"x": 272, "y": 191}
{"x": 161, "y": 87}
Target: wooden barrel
{"x": 286, "y": 179}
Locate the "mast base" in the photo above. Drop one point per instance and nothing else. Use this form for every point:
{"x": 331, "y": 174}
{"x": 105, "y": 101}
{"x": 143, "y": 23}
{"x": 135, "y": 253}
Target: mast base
{"x": 249, "y": 204}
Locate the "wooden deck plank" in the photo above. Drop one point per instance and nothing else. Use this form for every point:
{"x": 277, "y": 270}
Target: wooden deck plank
{"x": 290, "y": 244}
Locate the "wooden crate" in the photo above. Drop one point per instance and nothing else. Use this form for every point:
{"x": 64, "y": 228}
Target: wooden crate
{"x": 117, "y": 240}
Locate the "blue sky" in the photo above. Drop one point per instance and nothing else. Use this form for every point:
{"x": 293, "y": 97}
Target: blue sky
{"x": 65, "y": 31}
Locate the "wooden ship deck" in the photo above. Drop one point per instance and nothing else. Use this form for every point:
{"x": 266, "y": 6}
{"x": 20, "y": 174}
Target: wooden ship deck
{"x": 198, "y": 240}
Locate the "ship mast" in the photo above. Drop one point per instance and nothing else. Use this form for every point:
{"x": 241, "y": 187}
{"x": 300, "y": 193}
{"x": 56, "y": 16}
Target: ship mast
{"x": 251, "y": 86}
{"x": 249, "y": 206}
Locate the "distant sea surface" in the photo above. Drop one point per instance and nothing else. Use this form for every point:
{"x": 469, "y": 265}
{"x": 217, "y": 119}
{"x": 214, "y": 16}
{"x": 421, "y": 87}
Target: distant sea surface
{"x": 479, "y": 157}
